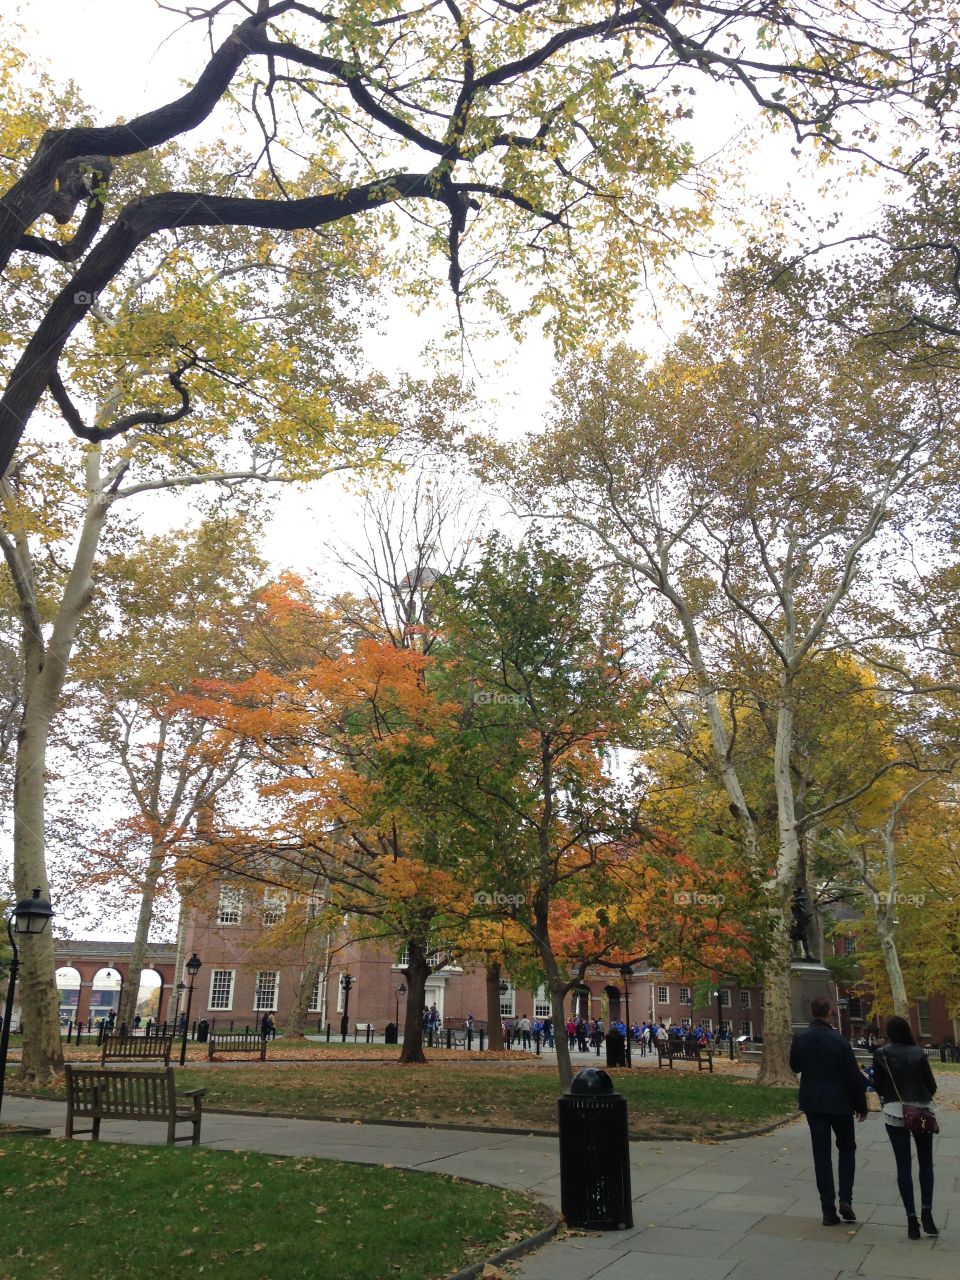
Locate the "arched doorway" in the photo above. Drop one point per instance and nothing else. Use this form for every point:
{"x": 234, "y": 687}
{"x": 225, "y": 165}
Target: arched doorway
{"x": 68, "y": 982}
{"x": 105, "y": 993}
{"x": 580, "y": 998}
{"x": 148, "y": 997}
{"x": 611, "y": 998}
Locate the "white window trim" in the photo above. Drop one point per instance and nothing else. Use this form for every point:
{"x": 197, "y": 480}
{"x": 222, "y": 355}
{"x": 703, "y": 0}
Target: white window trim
{"x": 508, "y": 1002}
{"x": 266, "y": 1008}
{"x": 228, "y": 890}
{"x": 746, "y": 1027}
{"x": 542, "y": 1008}
{"x": 316, "y": 997}
{"x": 273, "y": 908}
{"x": 663, "y": 995}
{"x": 745, "y": 999}
{"x": 725, "y": 1002}
{"x": 686, "y": 995}
{"x": 228, "y": 1007}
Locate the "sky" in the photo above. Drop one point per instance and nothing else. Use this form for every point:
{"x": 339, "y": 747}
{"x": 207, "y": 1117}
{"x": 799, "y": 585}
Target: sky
{"x": 127, "y": 56}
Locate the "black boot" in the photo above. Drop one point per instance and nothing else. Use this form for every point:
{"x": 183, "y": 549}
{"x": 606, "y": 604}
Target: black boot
{"x": 929, "y": 1226}
{"x": 913, "y": 1228}
{"x": 846, "y": 1212}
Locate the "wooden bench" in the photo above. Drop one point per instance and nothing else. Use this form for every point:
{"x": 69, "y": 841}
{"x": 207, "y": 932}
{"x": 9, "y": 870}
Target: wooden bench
{"x": 361, "y": 1029}
{"x": 136, "y": 1049}
{"x": 97, "y": 1094}
{"x": 237, "y": 1042}
{"x": 683, "y": 1051}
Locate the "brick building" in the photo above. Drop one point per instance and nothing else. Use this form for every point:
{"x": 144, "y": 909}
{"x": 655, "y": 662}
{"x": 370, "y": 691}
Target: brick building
{"x": 245, "y": 974}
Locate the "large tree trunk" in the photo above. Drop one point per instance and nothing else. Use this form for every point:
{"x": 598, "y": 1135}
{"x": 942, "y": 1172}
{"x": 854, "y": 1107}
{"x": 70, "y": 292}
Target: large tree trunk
{"x": 416, "y": 974}
{"x": 131, "y": 988}
{"x": 891, "y": 961}
{"x": 42, "y": 1051}
{"x": 494, "y": 1021}
{"x": 315, "y": 963}
{"x": 777, "y": 1021}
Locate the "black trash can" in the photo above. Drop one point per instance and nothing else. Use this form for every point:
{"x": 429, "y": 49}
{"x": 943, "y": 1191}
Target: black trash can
{"x": 616, "y": 1049}
{"x": 203, "y": 1030}
{"x": 594, "y": 1154}
{"x": 390, "y": 1033}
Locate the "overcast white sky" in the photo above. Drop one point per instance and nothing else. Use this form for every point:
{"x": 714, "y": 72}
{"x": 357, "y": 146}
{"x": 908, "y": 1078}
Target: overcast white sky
{"x": 127, "y": 56}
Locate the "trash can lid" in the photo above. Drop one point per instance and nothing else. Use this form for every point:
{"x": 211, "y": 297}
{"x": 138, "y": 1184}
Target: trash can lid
{"x": 591, "y": 1080}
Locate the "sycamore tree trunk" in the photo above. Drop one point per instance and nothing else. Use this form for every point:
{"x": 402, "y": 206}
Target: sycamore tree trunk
{"x": 891, "y": 961}
{"x": 416, "y": 974}
{"x": 494, "y": 1021}
{"x": 42, "y": 1050}
{"x": 777, "y": 1021}
{"x": 315, "y": 964}
{"x": 131, "y": 988}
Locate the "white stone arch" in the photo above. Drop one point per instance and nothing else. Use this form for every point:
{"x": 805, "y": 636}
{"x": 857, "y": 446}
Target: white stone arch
{"x": 151, "y": 985}
{"x": 68, "y": 980}
{"x": 105, "y": 992}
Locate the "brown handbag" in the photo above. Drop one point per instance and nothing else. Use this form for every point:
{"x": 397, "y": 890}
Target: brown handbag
{"x": 916, "y": 1118}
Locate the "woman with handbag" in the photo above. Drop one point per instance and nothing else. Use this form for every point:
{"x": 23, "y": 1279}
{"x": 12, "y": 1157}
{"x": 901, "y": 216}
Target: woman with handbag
{"x": 906, "y": 1086}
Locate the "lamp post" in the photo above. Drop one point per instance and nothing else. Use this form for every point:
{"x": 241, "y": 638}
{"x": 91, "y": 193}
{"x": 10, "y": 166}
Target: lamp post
{"x": 346, "y": 982}
{"x": 193, "y": 968}
{"x": 401, "y": 991}
{"x": 718, "y": 995}
{"x": 626, "y": 972}
{"x": 29, "y": 916}
{"x": 181, "y": 988}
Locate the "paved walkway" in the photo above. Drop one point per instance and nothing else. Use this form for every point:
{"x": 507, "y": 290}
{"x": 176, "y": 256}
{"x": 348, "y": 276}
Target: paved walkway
{"x": 743, "y": 1210}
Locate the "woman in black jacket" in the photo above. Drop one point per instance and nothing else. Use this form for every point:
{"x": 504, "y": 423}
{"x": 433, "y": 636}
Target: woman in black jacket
{"x": 901, "y": 1073}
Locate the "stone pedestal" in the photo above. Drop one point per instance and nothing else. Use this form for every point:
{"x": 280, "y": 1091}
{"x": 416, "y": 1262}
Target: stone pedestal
{"x": 809, "y": 978}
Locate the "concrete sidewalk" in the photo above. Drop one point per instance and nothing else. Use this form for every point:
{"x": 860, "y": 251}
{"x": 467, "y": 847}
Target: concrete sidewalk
{"x": 746, "y": 1209}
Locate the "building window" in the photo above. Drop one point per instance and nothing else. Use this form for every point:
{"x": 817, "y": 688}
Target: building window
{"x": 744, "y": 999}
{"x": 403, "y": 959}
{"x": 314, "y": 1005}
{"x": 542, "y": 1007}
{"x": 221, "y": 989}
{"x": 314, "y": 905}
{"x": 230, "y": 908}
{"x": 856, "y": 1007}
{"x": 274, "y": 907}
{"x": 686, "y": 1022}
{"x": 686, "y": 996}
{"x": 849, "y": 945}
{"x": 726, "y": 1025}
{"x": 923, "y": 1017}
{"x": 707, "y": 1024}
{"x": 265, "y": 992}
{"x": 663, "y": 995}
{"x": 724, "y": 999}
{"x": 746, "y": 1028}
{"x": 508, "y": 1002}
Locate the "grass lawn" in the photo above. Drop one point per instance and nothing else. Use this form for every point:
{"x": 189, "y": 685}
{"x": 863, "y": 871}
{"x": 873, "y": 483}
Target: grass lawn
{"x": 677, "y": 1103}
{"x": 106, "y": 1212}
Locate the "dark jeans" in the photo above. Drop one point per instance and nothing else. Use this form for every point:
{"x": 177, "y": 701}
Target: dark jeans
{"x": 900, "y": 1141}
{"x": 822, "y": 1125}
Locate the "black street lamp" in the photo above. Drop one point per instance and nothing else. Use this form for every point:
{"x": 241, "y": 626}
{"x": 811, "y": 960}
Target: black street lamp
{"x": 29, "y": 917}
{"x": 401, "y": 991}
{"x": 626, "y": 972}
{"x": 193, "y": 968}
{"x": 719, "y": 997}
{"x": 346, "y": 982}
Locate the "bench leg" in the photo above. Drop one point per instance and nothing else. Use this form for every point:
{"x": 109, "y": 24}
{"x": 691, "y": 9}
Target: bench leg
{"x": 196, "y": 1121}
{"x": 95, "y": 1131}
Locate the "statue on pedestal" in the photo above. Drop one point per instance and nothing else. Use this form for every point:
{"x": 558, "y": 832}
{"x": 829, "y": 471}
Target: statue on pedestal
{"x": 799, "y": 929}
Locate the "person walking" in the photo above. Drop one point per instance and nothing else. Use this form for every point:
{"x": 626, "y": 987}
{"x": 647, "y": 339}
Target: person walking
{"x": 832, "y": 1088}
{"x": 524, "y": 1026}
{"x": 902, "y": 1076}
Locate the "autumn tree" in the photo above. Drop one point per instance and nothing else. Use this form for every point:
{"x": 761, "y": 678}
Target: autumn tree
{"x": 515, "y": 133}
{"x": 751, "y": 487}
{"x": 169, "y": 614}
